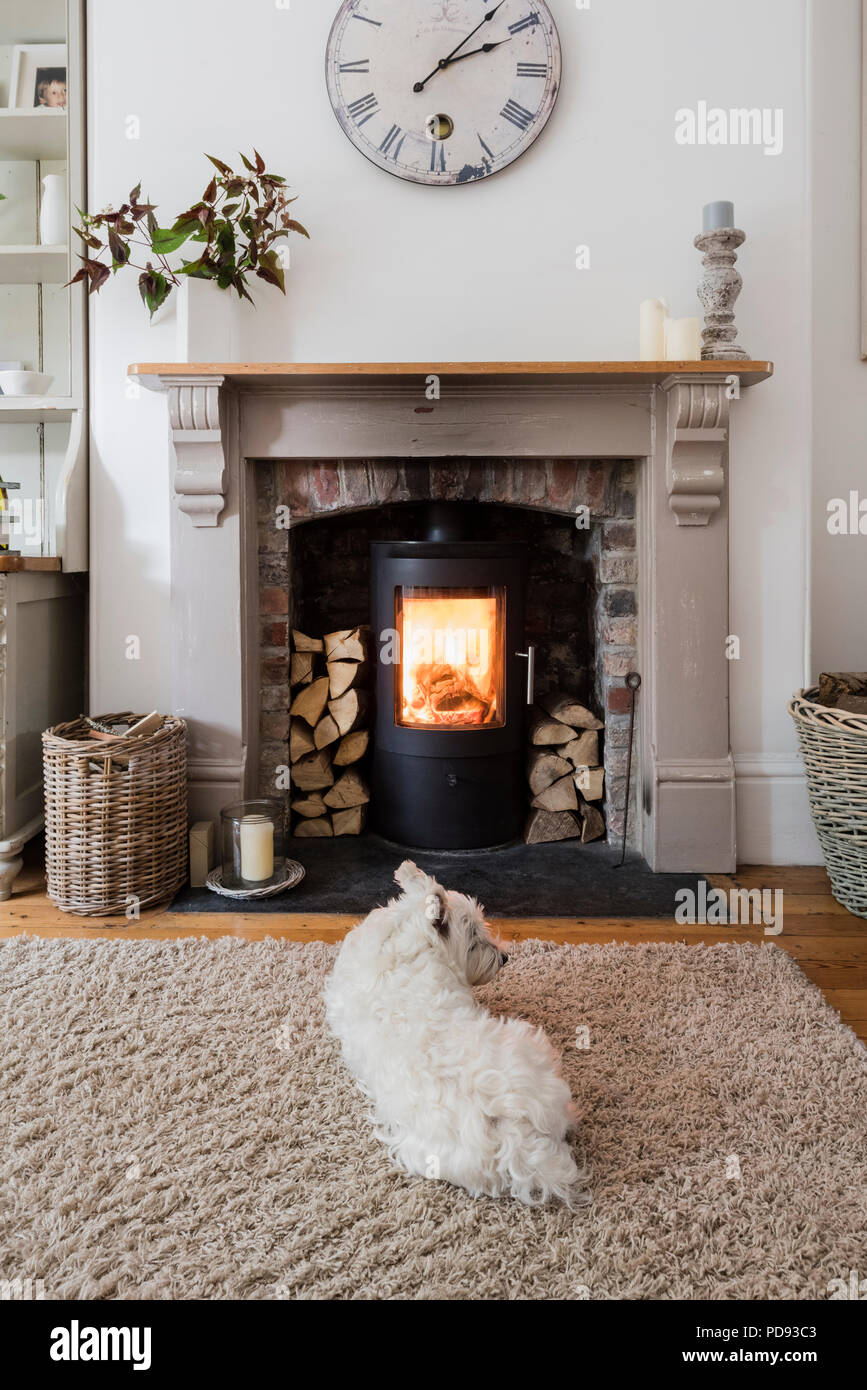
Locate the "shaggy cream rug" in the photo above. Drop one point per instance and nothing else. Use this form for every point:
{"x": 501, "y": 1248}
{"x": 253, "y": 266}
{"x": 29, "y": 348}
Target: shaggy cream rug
{"x": 176, "y": 1124}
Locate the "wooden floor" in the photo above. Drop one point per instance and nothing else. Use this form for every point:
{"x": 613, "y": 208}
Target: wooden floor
{"x": 827, "y": 941}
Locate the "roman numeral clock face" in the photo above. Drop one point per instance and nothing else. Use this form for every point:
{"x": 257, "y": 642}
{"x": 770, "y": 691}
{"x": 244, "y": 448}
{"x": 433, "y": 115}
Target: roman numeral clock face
{"x": 443, "y": 91}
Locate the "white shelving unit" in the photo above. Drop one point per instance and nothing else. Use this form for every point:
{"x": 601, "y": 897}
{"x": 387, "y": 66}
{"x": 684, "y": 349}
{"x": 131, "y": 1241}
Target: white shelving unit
{"x": 34, "y": 265}
{"x": 35, "y": 410}
{"x": 58, "y": 482}
{"x": 26, "y": 134}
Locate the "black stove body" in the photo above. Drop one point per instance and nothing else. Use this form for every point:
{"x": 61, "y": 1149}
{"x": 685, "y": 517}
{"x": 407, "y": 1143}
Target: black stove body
{"x": 453, "y": 681}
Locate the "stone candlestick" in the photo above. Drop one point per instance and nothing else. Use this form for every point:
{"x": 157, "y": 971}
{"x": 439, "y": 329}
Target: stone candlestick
{"x": 718, "y": 288}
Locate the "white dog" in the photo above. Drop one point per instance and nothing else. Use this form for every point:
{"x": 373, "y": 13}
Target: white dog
{"x": 458, "y": 1095}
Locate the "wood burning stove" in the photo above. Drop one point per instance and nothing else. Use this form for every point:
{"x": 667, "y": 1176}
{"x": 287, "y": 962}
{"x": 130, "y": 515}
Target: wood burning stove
{"x": 451, "y": 687}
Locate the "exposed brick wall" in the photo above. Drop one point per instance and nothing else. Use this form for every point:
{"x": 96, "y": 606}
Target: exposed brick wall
{"x": 582, "y": 583}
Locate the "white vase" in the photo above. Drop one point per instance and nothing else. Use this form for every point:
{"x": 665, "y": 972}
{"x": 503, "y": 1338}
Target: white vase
{"x": 53, "y": 211}
{"x": 208, "y": 322}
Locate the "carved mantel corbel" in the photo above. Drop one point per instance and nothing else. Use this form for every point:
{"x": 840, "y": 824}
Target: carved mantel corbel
{"x": 200, "y": 463}
{"x": 698, "y": 413}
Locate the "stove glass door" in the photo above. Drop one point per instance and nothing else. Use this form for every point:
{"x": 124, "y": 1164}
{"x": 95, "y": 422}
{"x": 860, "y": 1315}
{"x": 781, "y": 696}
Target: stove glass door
{"x": 451, "y": 668}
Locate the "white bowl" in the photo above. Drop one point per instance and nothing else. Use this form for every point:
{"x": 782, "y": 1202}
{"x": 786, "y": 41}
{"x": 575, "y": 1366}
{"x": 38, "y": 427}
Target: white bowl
{"x": 25, "y": 383}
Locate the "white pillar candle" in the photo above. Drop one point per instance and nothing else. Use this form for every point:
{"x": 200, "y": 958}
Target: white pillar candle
{"x": 651, "y": 317}
{"x": 257, "y": 848}
{"x": 683, "y": 340}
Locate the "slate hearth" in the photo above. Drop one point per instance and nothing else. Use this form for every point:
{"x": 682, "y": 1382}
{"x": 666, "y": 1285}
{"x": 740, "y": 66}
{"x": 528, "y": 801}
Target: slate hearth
{"x": 559, "y": 880}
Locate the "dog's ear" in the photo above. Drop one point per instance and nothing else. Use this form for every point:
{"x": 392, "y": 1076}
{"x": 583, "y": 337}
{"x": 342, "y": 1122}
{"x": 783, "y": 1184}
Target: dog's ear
{"x": 410, "y": 877}
{"x": 435, "y": 911}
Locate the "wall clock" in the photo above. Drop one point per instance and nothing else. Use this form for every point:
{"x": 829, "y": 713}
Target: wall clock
{"x": 443, "y": 91}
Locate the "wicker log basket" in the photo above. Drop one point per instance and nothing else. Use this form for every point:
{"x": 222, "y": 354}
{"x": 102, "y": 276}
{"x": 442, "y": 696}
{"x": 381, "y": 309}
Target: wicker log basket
{"x": 834, "y": 748}
{"x": 115, "y": 815}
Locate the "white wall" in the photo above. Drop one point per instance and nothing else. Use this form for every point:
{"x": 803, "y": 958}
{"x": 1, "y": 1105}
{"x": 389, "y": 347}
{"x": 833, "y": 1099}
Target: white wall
{"x": 396, "y": 271}
{"x": 839, "y": 577}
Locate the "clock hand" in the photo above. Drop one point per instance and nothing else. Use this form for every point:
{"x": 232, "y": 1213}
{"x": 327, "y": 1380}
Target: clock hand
{"x": 485, "y": 48}
{"x": 444, "y": 62}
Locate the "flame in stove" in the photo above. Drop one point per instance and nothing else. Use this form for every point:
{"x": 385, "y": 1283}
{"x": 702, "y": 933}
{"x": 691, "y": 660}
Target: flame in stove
{"x": 451, "y": 651}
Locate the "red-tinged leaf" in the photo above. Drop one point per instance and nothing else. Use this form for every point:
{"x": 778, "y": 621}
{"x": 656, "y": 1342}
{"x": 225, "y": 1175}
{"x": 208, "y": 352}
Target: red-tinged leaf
{"x": 77, "y": 277}
{"x": 297, "y": 227}
{"x": 134, "y": 196}
{"x": 98, "y": 273}
{"x": 210, "y": 192}
{"x": 266, "y": 273}
{"x": 88, "y": 239}
{"x": 218, "y": 164}
{"x": 154, "y": 289}
{"x": 118, "y": 248}
{"x": 247, "y": 164}
{"x": 260, "y": 163}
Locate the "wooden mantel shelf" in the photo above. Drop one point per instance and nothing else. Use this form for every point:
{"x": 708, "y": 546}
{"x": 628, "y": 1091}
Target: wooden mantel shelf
{"x": 276, "y": 374}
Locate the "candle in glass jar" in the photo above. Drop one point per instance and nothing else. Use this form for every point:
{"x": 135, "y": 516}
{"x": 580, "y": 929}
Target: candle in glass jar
{"x": 257, "y": 848}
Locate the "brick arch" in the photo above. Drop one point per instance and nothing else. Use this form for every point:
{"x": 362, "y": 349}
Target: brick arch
{"x": 315, "y": 487}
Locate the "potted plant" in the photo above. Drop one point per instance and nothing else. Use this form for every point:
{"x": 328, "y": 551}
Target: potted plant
{"x": 234, "y": 229}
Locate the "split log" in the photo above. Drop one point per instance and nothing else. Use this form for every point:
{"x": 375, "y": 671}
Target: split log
{"x": 300, "y": 740}
{"x": 349, "y": 790}
{"x": 547, "y": 731}
{"x": 589, "y": 781}
{"x": 301, "y": 668}
{"x": 545, "y": 767}
{"x": 836, "y": 685}
{"x": 583, "y": 751}
{"x": 326, "y": 732}
{"x": 301, "y": 643}
{"x": 349, "y": 710}
{"x": 560, "y": 796}
{"x": 546, "y": 826}
{"x": 310, "y": 703}
{"x": 592, "y": 824}
{"x": 310, "y": 806}
{"x": 313, "y": 772}
{"x": 351, "y": 748}
{"x": 852, "y": 704}
{"x": 350, "y": 822}
{"x": 313, "y": 829}
{"x": 569, "y": 711}
{"x": 343, "y": 675}
{"x": 349, "y": 645}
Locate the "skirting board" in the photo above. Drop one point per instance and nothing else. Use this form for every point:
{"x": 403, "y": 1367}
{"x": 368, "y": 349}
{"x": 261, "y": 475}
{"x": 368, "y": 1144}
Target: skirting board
{"x": 773, "y": 812}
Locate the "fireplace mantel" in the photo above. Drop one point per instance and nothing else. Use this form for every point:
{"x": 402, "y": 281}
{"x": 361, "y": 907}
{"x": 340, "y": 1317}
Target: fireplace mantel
{"x": 671, "y": 416}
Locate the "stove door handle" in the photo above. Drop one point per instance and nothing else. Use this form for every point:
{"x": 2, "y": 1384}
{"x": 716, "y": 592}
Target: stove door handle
{"x": 530, "y": 657}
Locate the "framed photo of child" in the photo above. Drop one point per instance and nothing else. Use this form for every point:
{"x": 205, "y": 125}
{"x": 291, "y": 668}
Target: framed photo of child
{"x": 39, "y": 76}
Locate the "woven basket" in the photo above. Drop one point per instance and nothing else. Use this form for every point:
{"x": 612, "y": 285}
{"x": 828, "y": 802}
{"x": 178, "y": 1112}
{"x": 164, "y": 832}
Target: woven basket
{"x": 115, "y": 816}
{"x": 834, "y": 749}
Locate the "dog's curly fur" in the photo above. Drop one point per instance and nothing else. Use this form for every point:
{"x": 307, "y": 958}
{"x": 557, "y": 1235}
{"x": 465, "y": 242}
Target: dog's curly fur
{"x": 458, "y": 1094}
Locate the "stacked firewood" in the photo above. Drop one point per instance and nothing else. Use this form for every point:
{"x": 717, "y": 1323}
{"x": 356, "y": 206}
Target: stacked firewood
{"x": 328, "y": 733}
{"x": 844, "y": 690}
{"x": 564, "y": 772}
